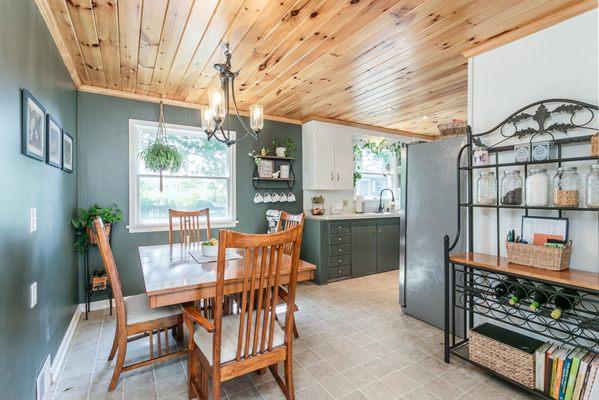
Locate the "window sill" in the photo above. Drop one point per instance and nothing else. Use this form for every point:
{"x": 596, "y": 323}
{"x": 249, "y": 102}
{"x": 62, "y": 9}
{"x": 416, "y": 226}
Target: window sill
{"x": 164, "y": 227}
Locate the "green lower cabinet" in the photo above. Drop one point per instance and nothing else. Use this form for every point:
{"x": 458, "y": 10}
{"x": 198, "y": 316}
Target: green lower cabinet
{"x": 387, "y": 245}
{"x": 363, "y": 247}
{"x": 348, "y": 248}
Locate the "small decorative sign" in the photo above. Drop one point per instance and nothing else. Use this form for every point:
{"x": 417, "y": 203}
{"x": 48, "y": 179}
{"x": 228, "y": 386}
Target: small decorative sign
{"x": 266, "y": 168}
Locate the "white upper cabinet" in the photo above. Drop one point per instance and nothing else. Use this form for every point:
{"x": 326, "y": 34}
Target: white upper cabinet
{"x": 327, "y": 153}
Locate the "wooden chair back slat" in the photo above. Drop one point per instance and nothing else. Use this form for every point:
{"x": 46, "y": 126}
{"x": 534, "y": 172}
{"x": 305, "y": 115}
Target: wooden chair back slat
{"x": 113, "y": 273}
{"x": 264, "y": 261}
{"x": 287, "y": 221}
{"x": 190, "y": 226}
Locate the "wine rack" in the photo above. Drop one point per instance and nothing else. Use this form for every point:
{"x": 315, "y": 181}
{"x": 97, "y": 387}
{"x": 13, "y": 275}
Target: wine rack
{"x": 471, "y": 278}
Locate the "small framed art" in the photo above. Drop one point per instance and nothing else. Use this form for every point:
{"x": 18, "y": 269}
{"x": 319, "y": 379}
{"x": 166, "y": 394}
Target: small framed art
{"x": 67, "y": 152}
{"x": 33, "y": 127}
{"x": 266, "y": 168}
{"x": 54, "y": 142}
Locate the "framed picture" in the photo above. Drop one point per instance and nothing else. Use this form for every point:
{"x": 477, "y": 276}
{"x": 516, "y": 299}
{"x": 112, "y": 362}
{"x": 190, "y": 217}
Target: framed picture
{"x": 67, "y": 152}
{"x": 266, "y": 168}
{"x": 544, "y": 227}
{"x": 33, "y": 127}
{"x": 54, "y": 142}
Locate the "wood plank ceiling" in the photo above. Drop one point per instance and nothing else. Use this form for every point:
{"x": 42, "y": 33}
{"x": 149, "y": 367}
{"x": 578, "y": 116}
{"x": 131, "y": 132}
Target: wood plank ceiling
{"x": 396, "y": 64}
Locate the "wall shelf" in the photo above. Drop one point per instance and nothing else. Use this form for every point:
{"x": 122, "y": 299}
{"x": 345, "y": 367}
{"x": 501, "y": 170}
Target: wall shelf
{"x": 523, "y": 163}
{"x": 267, "y": 183}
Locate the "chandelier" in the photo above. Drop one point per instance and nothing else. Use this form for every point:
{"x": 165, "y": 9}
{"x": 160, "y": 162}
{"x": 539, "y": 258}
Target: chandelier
{"x": 216, "y": 115}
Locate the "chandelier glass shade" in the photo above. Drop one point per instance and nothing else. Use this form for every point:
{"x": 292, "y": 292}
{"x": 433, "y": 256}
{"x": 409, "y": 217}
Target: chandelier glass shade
{"x": 215, "y": 119}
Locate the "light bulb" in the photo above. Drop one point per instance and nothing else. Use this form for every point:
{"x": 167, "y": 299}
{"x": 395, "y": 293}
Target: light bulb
{"x": 207, "y": 120}
{"x": 256, "y": 117}
{"x": 216, "y": 99}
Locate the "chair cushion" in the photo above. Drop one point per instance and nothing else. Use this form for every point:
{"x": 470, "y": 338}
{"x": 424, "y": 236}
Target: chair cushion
{"x": 138, "y": 310}
{"x": 230, "y": 332}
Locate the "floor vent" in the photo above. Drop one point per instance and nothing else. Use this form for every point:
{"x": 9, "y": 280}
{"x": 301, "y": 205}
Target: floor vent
{"x": 43, "y": 381}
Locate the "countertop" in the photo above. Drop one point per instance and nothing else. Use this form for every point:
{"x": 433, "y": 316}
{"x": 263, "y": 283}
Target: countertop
{"x": 334, "y": 217}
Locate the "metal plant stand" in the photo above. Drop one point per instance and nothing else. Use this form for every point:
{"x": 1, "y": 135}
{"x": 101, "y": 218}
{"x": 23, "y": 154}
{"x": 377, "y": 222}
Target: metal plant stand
{"x": 87, "y": 286}
{"x": 470, "y": 278}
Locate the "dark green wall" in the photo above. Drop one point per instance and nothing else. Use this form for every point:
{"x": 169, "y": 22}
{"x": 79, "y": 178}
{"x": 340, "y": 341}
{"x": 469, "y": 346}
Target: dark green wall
{"x": 29, "y": 59}
{"x": 104, "y": 173}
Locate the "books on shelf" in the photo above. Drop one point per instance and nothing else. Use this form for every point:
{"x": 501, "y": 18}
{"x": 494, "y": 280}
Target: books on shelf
{"x": 565, "y": 373}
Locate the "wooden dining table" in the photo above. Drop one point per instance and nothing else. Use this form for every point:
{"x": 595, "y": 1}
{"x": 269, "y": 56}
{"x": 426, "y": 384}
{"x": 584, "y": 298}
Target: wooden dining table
{"x": 173, "y": 276}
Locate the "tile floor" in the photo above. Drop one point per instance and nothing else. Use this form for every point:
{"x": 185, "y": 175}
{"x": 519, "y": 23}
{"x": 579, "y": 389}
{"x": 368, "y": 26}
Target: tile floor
{"x": 355, "y": 344}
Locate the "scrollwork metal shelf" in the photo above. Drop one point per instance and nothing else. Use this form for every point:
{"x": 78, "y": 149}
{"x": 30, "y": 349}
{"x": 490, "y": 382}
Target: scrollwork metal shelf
{"x": 469, "y": 286}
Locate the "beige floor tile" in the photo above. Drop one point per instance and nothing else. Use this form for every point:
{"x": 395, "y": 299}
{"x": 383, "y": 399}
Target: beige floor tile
{"x": 417, "y": 373}
{"x": 355, "y": 395}
{"x": 237, "y": 385}
{"x": 459, "y": 379}
{"x": 379, "y": 391}
{"x": 314, "y": 392}
{"x": 147, "y": 392}
{"x": 171, "y": 387}
{"x": 484, "y": 392}
{"x": 443, "y": 389}
{"x": 322, "y": 370}
{"x": 271, "y": 391}
{"x": 378, "y": 368}
{"x": 249, "y": 394}
{"x": 420, "y": 393}
{"x": 359, "y": 376}
{"x": 399, "y": 383}
{"x": 338, "y": 386}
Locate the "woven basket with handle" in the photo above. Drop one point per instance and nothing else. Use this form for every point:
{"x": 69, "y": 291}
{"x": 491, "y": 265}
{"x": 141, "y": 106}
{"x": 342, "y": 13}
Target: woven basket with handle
{"x": 552, "y": 258}
{"x": 92, "y": 238}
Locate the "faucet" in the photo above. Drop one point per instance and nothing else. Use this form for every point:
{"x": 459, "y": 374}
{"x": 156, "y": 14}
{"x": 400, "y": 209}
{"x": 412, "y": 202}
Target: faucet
{"x": 381, "y": 198}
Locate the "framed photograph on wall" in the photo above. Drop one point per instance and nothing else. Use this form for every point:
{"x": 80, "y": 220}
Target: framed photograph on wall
{"x": 33, "y": 127}
{"x": 266, "y": 168}
{"x": 54, "y": 142}
{"x": 67, "y": 152}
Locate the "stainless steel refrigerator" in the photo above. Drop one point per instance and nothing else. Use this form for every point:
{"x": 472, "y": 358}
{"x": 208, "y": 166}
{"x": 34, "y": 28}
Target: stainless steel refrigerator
{"x": 428, "y": 212}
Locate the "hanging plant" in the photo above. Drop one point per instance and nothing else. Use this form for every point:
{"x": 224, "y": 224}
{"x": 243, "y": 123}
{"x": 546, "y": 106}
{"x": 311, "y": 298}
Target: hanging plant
{"x": 161, "y": 155}
{"x": 376, "y": 147}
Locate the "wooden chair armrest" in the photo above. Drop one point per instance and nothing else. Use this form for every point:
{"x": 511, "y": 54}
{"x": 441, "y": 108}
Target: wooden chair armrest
{"x": 192, "y": 313}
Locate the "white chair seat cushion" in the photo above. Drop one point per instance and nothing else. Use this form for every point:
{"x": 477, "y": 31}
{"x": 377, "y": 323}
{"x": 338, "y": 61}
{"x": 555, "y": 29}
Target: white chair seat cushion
{"x": 138, "y": 310}
{"x": 229, "y": 335}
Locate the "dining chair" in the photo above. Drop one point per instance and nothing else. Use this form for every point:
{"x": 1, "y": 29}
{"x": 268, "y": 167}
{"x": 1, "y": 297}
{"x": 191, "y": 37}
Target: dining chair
{"x": 285, "y": 222}
{"x": 135, "y": 319}
{"x": 189, "y": 226}
{"x": 233, "y": 345}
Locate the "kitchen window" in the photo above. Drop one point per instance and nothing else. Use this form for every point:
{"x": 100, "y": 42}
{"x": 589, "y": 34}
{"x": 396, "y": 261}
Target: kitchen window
{"x": 376, "y": 167}
{"x": 205, "y": 180}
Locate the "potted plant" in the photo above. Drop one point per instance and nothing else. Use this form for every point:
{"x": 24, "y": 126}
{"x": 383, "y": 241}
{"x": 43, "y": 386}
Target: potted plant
{"x": 83, "y": 224}
{"x": 284, "y": 149}
{"x": 161, "y": 155}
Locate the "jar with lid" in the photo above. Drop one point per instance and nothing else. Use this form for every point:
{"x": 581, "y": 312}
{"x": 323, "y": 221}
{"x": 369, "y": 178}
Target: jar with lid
{"x": 592, "y": 195}
{"x": 537, "y": 188}
{"x": 486, "y": 190}
{"x": 511, "y": 188}
{"x": 566, "y": 185}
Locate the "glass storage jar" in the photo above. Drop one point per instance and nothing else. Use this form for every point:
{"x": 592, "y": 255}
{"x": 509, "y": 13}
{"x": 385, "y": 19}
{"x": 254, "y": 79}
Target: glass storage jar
{"x": 537, "y": 188}
{"x": 511, "y": 188}
{"x": 592, "y": 197}
{"x": 566, "y": 187}
{"x": 486, "y": 189}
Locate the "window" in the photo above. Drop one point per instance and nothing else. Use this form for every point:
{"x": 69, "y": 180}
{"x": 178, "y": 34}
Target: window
{"x": 205, "y": 180}
{"x": 377, "y": 166}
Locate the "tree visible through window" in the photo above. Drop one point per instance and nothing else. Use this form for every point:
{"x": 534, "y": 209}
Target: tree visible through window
{"x": 376, "y": 166}
{"x": 205, "y": 179}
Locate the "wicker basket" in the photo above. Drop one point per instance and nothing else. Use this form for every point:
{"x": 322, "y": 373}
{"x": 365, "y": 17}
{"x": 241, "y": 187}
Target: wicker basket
{"x": 552, "y": 258}
{"x": 92, "y": 238}
{"x": 595, "y": 145}
{"x": 505, "y": 359}
{"x": 456, "y": 128}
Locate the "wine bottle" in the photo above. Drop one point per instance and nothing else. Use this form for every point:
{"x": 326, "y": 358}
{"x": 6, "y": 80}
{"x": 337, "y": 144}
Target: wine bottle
{"x": 564, "y": 301}
{"x": 540, "y": 296}
{"x": 518, "y": 292}
{"x": 502, "y": 288}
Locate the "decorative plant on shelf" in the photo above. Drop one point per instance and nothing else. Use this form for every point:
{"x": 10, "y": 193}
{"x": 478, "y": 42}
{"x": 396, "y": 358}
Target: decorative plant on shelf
{"x": 254, "y": 155}
{"x": 161, "y": 155}
{"x": 376, "y": 147}
{"x": 83, "y": 224}
{"x": 287, "y": 144}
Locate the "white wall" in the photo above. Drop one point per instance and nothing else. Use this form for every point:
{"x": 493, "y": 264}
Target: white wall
{"x": 557, "y": 62}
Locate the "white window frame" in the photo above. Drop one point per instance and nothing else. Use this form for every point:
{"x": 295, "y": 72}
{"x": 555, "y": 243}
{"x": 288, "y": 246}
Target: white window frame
{"x": 135, "y": 224}
{"x": 394, "y": 167}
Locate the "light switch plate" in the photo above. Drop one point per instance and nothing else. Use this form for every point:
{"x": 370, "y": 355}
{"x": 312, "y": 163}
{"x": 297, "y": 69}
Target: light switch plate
{"x": 32, "y": 220}
{"x": 33, "y": 295}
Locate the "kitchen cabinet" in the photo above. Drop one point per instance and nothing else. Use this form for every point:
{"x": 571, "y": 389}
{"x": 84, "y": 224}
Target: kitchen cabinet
{"x": 343, "y": 249}
{"x": 328, "y": 161}
{"x": 387, "y": 245}
{"x": 363, "y": 247}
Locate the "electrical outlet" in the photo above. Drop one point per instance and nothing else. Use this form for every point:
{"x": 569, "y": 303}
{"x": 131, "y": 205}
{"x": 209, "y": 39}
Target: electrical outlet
{"x": 32, "y": 220}
{"x": 33, "y": 295}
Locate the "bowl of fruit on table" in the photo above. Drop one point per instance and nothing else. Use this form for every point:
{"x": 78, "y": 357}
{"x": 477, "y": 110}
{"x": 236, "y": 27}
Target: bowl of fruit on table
{"x": 210, "y": 248}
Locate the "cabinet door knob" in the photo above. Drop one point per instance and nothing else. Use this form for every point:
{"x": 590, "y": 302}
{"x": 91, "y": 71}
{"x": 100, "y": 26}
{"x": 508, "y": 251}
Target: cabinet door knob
{"x": 337, "y": 176}
{"x": 331, "y": 176}
{"x": 339, "y": 261}
{"x": 339, "y": 250}
{"x": 339, "y": 272}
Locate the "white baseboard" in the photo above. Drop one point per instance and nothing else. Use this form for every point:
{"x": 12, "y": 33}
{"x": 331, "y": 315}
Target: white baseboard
{"x": 65, "y": 344}
{"x": 96, "y": 305}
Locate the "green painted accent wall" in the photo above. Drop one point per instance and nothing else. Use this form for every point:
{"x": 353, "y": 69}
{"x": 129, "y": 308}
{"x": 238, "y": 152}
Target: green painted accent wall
{"x": 104, "y": 172}
{"x": 29, "y": 59}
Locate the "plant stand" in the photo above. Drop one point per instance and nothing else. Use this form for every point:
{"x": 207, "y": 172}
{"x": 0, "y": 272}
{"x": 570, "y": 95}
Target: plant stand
{"x": 87, "y": 286}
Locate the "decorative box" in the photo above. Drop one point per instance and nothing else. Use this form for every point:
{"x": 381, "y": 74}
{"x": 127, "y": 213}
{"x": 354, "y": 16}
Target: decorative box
{"x": 522, "y": 152}
{"x": 542, "y": 151}
{"x": 506, "y": 352}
